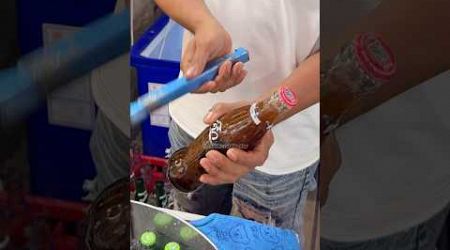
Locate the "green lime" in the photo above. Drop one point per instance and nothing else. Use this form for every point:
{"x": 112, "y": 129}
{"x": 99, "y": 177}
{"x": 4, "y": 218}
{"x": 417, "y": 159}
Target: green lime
{"x": 172, "y": 246}
{"x": 187, "y": 233}
{"x": 148, "y": 239}
{"x": 162, "y": 219}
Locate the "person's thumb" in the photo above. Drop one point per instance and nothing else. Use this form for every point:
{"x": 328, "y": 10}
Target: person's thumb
{"x": 198, "y": 61}
{"x": 220, "y": 109}
{"x": 216, "y": 111}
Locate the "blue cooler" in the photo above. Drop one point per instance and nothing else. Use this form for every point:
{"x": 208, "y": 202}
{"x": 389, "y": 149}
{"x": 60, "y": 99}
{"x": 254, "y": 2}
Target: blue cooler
{"x": 59, "y": 157}
{"x": 156, "y": 57}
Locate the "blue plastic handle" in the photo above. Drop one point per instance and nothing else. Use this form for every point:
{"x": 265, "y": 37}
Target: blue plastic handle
{"x": 179, "y": 87}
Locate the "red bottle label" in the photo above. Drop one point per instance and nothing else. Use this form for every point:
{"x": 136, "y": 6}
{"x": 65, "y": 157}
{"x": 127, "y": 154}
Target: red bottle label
{"x": 374, "y": 56}
{"x": 288, "y": 97}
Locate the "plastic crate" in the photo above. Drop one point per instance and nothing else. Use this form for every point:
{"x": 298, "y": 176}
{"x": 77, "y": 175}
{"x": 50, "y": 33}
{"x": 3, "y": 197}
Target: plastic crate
{"x": 146, "y": 167}
{"x": 156, "y": 58}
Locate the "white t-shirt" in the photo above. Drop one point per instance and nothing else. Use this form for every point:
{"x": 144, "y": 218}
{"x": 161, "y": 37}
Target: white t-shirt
{"x": 111, "y": 85}
{"x": 111, "y": 82}
{"x": 395, "y": 171}
{"x": 111, "y": 90}
{"x": 279, "y": 36}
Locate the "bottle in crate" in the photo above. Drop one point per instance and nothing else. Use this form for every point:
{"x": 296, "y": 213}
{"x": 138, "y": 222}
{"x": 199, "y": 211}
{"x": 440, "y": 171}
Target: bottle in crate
{"x": 141, "y": 190}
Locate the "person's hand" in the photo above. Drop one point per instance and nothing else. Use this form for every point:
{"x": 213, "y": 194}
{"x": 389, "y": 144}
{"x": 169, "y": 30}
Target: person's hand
{"x": 220, "y": 108}
{"x": 221, "y": 169}
{"x": 143, "y": 13}
{"x": 211, "y": 41}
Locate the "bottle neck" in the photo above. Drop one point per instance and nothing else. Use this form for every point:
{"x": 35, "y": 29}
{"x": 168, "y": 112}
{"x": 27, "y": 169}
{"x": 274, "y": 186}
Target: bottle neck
{"x": 140, "y": 185}
{"x": 270, "y": 109}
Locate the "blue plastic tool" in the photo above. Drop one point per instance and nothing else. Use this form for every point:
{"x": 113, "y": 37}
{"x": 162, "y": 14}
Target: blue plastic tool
{"x": 23, "y": 88}
{"x": 140, "y": 109}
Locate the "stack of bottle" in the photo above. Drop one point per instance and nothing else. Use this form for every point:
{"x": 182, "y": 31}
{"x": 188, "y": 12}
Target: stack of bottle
{"x": 147, "y": 189}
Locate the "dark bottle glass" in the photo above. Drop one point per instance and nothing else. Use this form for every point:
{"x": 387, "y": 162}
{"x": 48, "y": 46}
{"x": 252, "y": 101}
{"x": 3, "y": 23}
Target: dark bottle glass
{"x": 160, "y": 193}
{"x": 141, "y": 190}
{"x": 240, "y": 128}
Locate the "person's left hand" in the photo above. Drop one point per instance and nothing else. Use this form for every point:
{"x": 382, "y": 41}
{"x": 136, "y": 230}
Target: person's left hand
{"x": 211, "y": 41}
{"x": 222, "y": 169}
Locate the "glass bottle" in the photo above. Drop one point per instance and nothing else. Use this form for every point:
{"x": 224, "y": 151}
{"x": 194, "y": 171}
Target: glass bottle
{"x": 361, "y": 68}
{"x": 141, "y": 190}
{"x": 161, "y": 197}
{"x": 240, "y": 128}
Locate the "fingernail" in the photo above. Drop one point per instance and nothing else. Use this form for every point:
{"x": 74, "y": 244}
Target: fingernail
{"x": 202, "y": 179}
{"x": 211, "y": 156}
{"x": 190, "y": 71}
{"x": 232, "y": 155}
{"x": 202, "y": 163}
{"x": 208, "y": 116}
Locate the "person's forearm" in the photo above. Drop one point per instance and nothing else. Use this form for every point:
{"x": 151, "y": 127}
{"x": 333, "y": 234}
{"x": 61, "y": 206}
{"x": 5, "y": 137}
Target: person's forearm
{"x": 189, "y": 13}
{"x": 415, "y": 33}
{"x": 304, "y": 81}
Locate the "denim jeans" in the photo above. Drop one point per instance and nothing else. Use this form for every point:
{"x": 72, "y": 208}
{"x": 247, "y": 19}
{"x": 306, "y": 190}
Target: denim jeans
{"x": 110, "y": 149}
{"x": 421, "y": 237}
{"x": 277, "y": 200}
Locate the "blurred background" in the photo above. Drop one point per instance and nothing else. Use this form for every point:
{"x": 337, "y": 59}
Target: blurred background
{"x": 385, "y": 176}
{"x": 53, "y": 150}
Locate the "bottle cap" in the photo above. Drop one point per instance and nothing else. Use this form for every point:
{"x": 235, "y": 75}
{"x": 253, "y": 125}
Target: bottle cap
{"x": 288, "y": 97}
{"x": 162, "y": 219}
{"x": 172, "y": 246}
{"x": 374, "y": 56}
{"x": 148, "y": 239}
{"x": 187, "y": 233}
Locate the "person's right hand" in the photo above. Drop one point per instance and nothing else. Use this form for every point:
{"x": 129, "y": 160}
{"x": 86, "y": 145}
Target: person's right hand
{"x": 210, "y": 41}
{"x": 229, "y": 167}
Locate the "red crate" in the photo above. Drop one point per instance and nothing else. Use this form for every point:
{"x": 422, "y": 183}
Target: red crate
{"x": 27, "y": 209}
{"x": 151, "y": 175}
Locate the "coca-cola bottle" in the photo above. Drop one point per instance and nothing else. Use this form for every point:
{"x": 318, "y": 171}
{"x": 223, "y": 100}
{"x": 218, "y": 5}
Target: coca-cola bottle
{"x": 240, "y": 128}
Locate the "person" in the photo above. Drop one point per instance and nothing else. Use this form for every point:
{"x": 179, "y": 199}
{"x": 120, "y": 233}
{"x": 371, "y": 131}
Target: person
{"x": 392, "y": 188}
{"x": 112, "y": 90}
{"x": 270, "y": 183}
